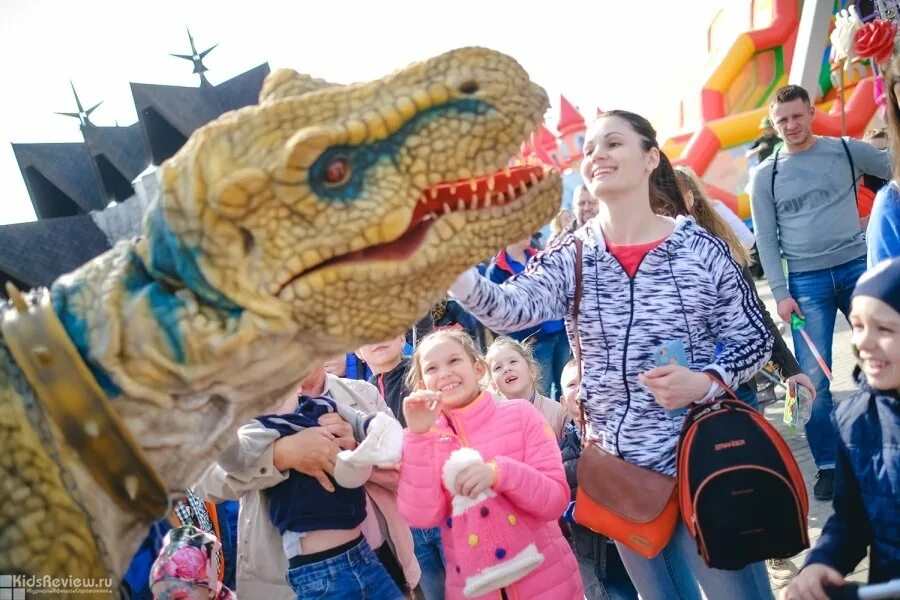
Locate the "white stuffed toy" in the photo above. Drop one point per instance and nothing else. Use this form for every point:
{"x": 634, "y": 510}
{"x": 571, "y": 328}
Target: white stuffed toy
{"x": 382, "y": 447}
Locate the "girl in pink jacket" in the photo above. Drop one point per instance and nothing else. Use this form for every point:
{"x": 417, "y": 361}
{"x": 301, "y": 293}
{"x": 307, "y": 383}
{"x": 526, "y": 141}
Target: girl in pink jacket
{"x": 498, "y": 511}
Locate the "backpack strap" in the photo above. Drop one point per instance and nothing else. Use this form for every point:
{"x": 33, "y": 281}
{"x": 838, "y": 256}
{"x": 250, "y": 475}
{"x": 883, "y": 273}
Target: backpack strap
{"x": 775, "y": 172}
{"x": 852, "y": 166}
{"x": 576, "y": 308}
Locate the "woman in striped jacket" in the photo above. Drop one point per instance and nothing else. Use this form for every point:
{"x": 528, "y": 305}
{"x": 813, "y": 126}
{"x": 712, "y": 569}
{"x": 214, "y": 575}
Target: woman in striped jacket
{"x": 648, "y": 281}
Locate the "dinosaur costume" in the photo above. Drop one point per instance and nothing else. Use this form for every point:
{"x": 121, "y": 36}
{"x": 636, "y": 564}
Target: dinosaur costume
{"x": 321, "y": 219}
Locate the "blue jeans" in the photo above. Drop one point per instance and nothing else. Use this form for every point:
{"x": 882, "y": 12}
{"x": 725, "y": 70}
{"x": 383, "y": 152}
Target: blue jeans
{"x": 552, "y": 353}
{"x": 678, "y": 569}
{"x": 820, "y": 295}
{"x": 746, "y": 392}
{"x": 430, "y": 554}
{"x": 356, "y": 574}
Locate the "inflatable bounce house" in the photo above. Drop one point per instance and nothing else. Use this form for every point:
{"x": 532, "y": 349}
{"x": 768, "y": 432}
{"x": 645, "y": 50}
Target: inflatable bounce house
{"x": 751, "y": 45}
{"x": 754, "y": 43}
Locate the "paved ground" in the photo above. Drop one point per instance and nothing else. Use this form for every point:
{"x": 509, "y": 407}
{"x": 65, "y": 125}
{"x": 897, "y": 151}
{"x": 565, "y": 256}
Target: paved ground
{"x": 842, "y": 369}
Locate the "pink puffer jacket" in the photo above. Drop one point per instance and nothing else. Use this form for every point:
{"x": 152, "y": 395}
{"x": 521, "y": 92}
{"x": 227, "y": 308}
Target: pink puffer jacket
{"x": 530, "y": 475}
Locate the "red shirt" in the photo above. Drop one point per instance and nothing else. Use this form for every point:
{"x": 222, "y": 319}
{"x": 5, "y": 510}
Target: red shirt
{"x": 630, "y": 256}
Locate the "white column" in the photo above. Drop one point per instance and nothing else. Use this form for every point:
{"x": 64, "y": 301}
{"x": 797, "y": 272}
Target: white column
{"x": 812, "y": 39}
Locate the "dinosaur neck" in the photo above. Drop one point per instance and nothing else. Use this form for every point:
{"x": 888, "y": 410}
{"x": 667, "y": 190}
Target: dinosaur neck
{"x": 181, "y": 370}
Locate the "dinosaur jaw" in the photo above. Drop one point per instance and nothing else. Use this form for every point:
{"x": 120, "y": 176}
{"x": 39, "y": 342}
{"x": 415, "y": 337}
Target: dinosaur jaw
{"x": 505, "y": 190}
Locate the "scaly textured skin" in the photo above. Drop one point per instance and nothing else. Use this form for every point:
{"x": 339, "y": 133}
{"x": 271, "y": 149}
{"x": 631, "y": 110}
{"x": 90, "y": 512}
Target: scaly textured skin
{"x": 285, "y": 233}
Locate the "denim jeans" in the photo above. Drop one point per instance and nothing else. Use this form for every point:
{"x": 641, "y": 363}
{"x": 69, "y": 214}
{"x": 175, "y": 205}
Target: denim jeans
{"x": 820, "y": 295}
{"x": 356, "y": 574}
{"x": 430, "y": 554}
{"x": 552, "y": 353}
{"x": 676, "y": 572}
{"x": 746, "y": 392}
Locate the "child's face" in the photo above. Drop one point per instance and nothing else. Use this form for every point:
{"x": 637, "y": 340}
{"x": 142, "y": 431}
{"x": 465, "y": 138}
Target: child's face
{"x": 510, "y": 374}
{"x": 382, "y": 353}
{"x": 876, "y": 339}
{"x": 446, "y": 368}
{"x": 570, "y": 383}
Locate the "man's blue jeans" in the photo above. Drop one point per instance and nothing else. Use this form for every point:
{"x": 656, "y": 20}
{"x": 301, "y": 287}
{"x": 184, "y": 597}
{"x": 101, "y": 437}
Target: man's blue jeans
{"x": 353, "y": 575}
{"x": 551, "y": 353}
{"x": 820, "y": 295}
{"x": 430, "y": 554}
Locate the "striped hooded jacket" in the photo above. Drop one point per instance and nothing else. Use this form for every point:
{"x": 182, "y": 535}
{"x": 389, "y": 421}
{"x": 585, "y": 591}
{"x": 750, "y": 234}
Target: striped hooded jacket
{"x": 688, "y": 289}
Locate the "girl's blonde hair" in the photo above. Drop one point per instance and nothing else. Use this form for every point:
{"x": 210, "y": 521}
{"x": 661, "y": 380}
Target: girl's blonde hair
{"x": 414, "y": 375}
{"x": 522, "y": 349}
{"x": 706, "y": 214}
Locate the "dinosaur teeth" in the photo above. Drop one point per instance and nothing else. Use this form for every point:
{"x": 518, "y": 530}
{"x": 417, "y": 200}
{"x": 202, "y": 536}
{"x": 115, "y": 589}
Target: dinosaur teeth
{"x": 432, "y": 193}
{"x": 522, "y": 187}
{"x": 487, "y": 199}
{"x": 534, "y": 179}
{"x": 507, "y": 171}
{"x": 461, "y": 205}
{"x": 510, "y": 190}
{"x": 491, "y": 183}
{"x": 452, "y": 189}
{"x": 446, "y": 208}
{"x": 473, "y": 185}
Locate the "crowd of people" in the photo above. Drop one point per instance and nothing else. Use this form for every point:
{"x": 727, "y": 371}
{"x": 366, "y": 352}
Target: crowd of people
{"x": 496, "y": 412}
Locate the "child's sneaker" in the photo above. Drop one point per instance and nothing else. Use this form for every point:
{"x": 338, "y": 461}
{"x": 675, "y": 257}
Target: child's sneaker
{"x": 781, "y": 568}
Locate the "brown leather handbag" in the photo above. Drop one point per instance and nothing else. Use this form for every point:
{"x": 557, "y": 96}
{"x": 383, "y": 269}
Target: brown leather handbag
{"x": 634, "y": 506}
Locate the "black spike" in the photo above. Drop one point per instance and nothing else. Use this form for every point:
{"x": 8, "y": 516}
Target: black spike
{"x": 83, "y": 116}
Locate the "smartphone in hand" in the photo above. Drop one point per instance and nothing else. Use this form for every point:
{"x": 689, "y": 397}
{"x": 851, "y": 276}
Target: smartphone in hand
{"x": 671, "y": 353}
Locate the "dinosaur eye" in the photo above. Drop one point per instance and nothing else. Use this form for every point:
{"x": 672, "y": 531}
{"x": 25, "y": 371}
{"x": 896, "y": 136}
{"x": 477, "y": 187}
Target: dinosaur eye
{"x": 337, "y": 171}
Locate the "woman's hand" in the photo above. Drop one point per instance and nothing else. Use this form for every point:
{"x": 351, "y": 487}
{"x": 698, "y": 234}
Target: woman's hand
{"x": 804, "y": 380}
{"x": 675, "y": 386}
{"x": 475, "y": 479}
{"x": 810, "y": 583}
{"x": 421, "y": 410}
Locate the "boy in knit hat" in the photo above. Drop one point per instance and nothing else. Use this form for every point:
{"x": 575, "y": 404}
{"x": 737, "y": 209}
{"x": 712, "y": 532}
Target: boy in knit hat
{"x": 867, "y": 479}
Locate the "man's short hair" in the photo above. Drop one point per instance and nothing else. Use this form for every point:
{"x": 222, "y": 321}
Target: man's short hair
{"x": 789, "y": 93}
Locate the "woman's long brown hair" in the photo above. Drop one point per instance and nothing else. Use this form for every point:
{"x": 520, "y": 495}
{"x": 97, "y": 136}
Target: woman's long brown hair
{"x": 706, "y": 215}
{"x": 892, "y": 77}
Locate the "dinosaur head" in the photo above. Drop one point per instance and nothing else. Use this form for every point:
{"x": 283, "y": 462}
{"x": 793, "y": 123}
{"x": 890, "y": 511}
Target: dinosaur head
{"x": 350, "y": 209}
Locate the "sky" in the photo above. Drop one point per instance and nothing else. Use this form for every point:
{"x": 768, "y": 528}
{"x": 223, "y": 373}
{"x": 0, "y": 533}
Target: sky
{"x": 642, "y": 55}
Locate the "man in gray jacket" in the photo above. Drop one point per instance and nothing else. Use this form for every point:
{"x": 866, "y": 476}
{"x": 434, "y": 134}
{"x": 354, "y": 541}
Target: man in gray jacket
{"x": 803, "y": 199}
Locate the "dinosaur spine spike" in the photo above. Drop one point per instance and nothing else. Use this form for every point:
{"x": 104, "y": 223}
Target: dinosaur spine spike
{"x": 42, "y": 354}
{"x": 13, "y": 293}
{"x": 131, "y": 486}
{"x": 91, "y": 428}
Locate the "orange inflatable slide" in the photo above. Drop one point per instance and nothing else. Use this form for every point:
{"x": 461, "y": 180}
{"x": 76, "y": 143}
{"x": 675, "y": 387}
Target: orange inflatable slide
{"x": 755, "y": 40}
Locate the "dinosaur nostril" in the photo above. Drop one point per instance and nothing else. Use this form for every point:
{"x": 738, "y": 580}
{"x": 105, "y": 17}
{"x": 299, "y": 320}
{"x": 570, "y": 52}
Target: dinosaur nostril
{"x": 247, "y": 240}
{"x": 468, "y": 87}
